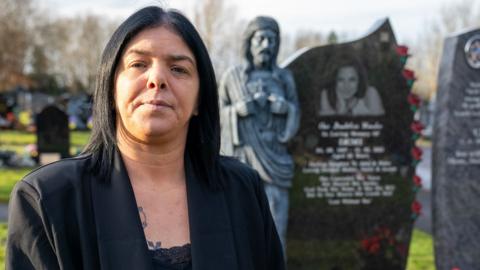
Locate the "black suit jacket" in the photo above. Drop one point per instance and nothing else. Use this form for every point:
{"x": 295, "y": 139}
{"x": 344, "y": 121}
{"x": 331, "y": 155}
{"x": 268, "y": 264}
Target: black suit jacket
{"x": 62, "y": 217}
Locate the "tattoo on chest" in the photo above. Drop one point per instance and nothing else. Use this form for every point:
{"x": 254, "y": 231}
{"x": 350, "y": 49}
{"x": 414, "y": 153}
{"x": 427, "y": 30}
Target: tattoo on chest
{"x": 152, "y": 245}
{"x": 143, "y": 217}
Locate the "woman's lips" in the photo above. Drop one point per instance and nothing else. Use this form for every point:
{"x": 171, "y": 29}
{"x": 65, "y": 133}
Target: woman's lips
{"x": 156, "y": 104}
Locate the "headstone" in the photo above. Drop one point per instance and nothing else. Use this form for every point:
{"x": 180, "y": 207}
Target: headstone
{"x": 456, "y": 155}
{"x": 53, "y": 135}
{"x": 353, "y": 190}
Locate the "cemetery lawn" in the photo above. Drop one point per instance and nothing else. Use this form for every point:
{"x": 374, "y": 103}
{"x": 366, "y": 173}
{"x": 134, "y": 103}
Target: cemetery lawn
{"x": 3, "y": 239}
{"x": 9, "y": 178}
{"x": 421, "y": 252}
{"x": 16, "y": 141}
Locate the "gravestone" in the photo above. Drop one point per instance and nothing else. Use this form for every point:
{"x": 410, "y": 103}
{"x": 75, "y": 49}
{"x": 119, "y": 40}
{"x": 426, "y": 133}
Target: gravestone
{"x": 53, "y": 134}
{"x": 456, "y": 155}
{"x": 353, "y": 191}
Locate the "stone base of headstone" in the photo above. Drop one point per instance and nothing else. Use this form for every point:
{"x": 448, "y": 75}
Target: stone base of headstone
{"x": 46, "y": 158}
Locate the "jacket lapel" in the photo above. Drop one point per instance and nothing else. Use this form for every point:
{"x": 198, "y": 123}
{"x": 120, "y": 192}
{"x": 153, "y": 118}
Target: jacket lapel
{"x": 121, "y": 241}
{"x": 210, "y": 226}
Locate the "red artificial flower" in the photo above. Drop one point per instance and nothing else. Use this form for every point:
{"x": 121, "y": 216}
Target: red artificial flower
{"x": 402, "y": 50}
{"x": 371, "y": 245}
{"x": 417, "y": 127}
{"x": 455, "y": 268}
{"x": 408, "y": 74}
{"x": 417, "y": 180}
{"x": 417, "y": 153}
{"x": 414, "y": 99}
{"x": 365, "y": 244}
{"x": 416, "y": 207}
{"x": 374, "y": 248}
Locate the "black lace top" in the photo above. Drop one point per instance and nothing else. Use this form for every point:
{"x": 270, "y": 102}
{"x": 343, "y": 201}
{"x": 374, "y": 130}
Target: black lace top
{"x": 174, "y": 258}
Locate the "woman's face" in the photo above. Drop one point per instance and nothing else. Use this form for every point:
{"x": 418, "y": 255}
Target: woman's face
{"x": 156, "y": 86}
{"x": 347, "y": 82}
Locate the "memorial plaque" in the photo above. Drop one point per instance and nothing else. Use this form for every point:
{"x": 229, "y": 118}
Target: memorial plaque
{"x": 53, "y": 134}
{"x": 456, "y": 155}
{"x": 352, "y": 195}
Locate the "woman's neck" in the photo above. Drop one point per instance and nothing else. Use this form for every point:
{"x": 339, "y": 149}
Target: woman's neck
{"x": 159, "y": 163}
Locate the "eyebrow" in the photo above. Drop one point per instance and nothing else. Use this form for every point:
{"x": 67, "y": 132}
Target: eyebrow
{"x": 181, "y": 57}
{"x": 171, "y": 57}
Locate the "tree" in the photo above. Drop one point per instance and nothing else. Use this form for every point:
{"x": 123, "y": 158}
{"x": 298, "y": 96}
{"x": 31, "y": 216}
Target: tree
{"x": 332, "y": 38}
{"x": 14, "y": 41}
{"x": 221, "y": 31}
{"x": 428, "y": 49}
{"x": 67, "y": 50}
{"x": 90, "y": 33}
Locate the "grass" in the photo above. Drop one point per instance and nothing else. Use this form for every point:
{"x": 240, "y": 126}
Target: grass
{"x": 12, "y": 137}
{"x": 3, "y": 239}
{"x": 20, "y": 138}
{"x": 8, "y": 179}
{"x": 16, "y": 141}
{"x": 421, "y": 252}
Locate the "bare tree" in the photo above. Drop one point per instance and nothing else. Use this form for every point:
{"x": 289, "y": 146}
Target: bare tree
{"x": 308, "y": 38}
{"x": 217, "y": 22}
{"x": 68, "y": 49}
{"x": 291, "y": 43}
{"x": 90, "y": 33}
{"x": 14, "y": 41}
{"x": 428, "y": 48}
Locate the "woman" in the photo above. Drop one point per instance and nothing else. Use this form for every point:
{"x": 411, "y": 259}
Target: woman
{"x": 348, "y": 92}
{"x": 150, "y": 190}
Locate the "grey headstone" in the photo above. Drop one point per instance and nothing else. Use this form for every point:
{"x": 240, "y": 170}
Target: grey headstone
{"x": 456, "y": 155}
{"x": 352, "y": 192}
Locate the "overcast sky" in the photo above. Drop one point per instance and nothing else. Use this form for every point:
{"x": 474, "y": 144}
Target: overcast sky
{"x": 353, "y": 17}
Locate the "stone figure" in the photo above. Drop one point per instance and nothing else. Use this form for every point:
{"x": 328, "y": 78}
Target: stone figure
{"x": 260, "y": 114}
{"x": 347, "y": 91}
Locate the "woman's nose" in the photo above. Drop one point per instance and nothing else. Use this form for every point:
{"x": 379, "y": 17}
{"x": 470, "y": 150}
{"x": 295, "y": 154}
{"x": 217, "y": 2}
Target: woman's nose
{"x": 156, "y": 79}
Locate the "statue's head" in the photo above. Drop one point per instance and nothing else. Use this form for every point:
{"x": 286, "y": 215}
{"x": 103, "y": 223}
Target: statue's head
{"x": 261, "y": 43}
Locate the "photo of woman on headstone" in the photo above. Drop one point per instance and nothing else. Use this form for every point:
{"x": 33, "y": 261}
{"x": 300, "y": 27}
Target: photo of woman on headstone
{"x": 347, "y": 91}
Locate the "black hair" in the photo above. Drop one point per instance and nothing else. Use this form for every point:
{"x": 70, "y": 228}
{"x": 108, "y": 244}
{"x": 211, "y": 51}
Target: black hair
{"x": 203, "y": 138}
{"x": 335, "y": 64}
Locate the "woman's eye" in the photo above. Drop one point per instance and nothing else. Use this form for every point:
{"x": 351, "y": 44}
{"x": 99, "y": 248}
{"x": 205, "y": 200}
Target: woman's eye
{"x": 138, "y": 65}
{"x": 179, "y": 70}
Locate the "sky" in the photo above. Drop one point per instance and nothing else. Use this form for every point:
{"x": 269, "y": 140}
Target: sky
{"x": 351, "y": 17}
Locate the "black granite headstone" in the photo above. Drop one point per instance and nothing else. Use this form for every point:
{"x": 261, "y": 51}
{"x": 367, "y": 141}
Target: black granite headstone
{"x": 352, "y": 195}
{"x": 456, "y": 155}
{"x": 53, "y": 134}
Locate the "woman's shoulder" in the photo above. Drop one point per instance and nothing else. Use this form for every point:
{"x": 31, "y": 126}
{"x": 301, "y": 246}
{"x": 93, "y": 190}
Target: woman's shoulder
{"x": 53, "y": 177}
{"x": 237, "y": 173}
{"x": 233, "y": 166}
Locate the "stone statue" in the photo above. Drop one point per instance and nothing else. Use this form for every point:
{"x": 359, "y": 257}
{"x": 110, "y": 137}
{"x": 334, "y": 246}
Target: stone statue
{"x": 260, "y": 114}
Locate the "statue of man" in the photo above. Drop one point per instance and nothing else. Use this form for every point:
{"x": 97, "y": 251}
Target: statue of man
{"x": 260, "y": 114}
